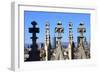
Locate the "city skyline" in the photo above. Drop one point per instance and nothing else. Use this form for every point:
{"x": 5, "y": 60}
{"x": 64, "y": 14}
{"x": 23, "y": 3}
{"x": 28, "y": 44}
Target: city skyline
{"x": 52, "y": 18}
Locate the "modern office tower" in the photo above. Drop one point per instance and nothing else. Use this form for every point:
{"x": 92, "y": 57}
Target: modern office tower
{"x": 86, "y": 46}
{"x": 59, "y": 30}
{"x": 34, "y": 53}
{"x": 54, "y": 42}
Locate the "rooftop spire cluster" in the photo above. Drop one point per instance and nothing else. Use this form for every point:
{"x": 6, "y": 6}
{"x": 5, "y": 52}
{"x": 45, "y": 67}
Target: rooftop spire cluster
{"x": 47, "y": 52}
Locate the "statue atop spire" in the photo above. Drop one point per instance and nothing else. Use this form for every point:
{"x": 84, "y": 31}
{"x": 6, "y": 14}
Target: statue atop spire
{"x": 80, "y": 48}
{"x": 59, "y": 30}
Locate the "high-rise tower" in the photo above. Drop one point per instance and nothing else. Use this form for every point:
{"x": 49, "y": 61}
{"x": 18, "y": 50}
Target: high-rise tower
{"x": 54, "y": 42}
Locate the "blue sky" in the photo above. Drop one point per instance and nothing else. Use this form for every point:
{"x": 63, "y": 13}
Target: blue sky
{"x": 53, "y": 17}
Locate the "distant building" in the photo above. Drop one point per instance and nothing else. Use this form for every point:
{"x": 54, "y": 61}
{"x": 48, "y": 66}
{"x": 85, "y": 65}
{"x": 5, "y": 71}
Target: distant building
{"x": 54, "y": 42}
